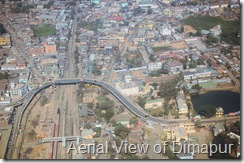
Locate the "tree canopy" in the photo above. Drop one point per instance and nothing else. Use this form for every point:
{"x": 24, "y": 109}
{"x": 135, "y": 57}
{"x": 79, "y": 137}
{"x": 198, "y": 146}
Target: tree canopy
{"x": 121, "y": 131}
{"x": 207, "y": 111}
{"x": 224, "y": 139}
{"x": 168, "y": 88}
{"x": 142, "y": 101}
{"x": 2, "y": 29}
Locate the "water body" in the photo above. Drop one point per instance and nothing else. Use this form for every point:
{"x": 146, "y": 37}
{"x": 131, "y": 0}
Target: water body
{"x": 229, "y": 101}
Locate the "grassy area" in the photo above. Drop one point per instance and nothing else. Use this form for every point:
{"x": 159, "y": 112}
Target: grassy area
{"x": 174, "y": 112}
{"x": 41, "y": 31}
{"x": 161, "y": 48}
{"x": 230, "y": 29}
{"x": 155, "y": 111}
{"x": 208, "y": 85}
{"x": 90, "y": 26}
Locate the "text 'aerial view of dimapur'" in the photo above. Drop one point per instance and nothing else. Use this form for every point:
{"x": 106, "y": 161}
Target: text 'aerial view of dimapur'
{"x": 120, "y": 79}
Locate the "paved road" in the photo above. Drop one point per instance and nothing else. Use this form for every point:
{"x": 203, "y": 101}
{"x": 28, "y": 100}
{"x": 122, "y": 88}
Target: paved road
{"x": 127, "y": 102}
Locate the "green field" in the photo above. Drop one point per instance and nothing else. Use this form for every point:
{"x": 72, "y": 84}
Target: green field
{"x": 208, "y": 85}
{"x": 41, "y": 31}
{"x": 230, "y": 29}
{"x": 161, "y": 48}
{"x": 90, "y": 26}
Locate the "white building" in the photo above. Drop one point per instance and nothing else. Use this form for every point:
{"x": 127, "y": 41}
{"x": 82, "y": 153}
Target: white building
{"x": 181, "y": 103}
{"x": 18, "y": 90}
{"x": 154, "y": 66}
{"x": 127, "y": 89}
{"x": 174, "y": 67}
{"x": 166, "y": 30}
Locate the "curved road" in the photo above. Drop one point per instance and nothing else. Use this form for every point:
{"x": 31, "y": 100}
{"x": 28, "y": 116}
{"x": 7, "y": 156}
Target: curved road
{"x": 136, "y": 110}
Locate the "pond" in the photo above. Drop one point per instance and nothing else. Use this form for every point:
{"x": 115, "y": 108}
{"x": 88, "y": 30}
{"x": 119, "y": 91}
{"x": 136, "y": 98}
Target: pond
{"x": 229, "y": 101}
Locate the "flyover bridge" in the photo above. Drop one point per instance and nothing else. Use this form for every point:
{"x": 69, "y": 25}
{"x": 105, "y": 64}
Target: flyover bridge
{"x": 135, "y": 109}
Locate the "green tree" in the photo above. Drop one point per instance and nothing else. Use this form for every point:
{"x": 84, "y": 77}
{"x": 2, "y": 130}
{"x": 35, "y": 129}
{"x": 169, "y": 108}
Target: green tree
{"x": 87, "y": 126}
{"x": 209, "y": 62}
{"x": 2, "y": 29}
{"x": 32, "y": 134}
{"x": 34, "y": 123}
{"x": 48, "y": 5}
{"x": 121, "y": 131}
{"x": 28, "y": 150}
{"x": 43, "y": 100}
{"x": 90, "y": 105}
{"x": 221, "y": 140}
{"x": 133, "y": 121}
{"x": 207, "y": 111}
{"x": 149, "y": 11}
{"x": 98, "y": 131}
{"x": 152, "y": 58}
{"x": 198, "y": 123}
{"x": 167, "y": 88}
{"x": 144, "y": 83}
{"x": 161, "y": 113}
{"x": 141, "y": 101}
{"x": 104, "y": 103}
{"x": 197, "y": 86}
{"x": 155, "y": 85}
{"x": 108, "y": 114}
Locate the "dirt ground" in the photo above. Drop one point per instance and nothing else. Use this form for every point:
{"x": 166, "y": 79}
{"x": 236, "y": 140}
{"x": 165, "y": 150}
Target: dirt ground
{"x": 204, "y": 136}
{"x": 188, "y": 29}
{"x": 6, "y": 130}
{"x": 44, "y": 115}
{"x": 178, "y": 45}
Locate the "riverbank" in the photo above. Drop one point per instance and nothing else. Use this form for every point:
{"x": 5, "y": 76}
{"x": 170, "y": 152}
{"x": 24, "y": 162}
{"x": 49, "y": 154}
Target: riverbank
{"x": 232, "y": 89}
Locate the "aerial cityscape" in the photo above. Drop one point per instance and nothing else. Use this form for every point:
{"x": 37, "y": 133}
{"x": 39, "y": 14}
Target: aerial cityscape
{"x": 120, "y": 79}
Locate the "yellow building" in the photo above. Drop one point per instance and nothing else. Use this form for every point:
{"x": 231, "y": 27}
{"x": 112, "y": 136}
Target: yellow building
{"x": 169, "y": 134}
{"x": 219, "y": 112}
{"x": 5, "y": 42}
{"x": 149, "y": 25}
{"x": 166, "y": 1}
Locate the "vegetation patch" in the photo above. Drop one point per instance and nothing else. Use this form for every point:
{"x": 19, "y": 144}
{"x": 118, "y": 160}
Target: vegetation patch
{"x": 41, "y": 31}
{"x": 161, "y": 48}
{"x": 230, "y": 29}
{"x": 2, "y": 29}
{"x": 94, "y": 26}
{"x": 43, "y": 100}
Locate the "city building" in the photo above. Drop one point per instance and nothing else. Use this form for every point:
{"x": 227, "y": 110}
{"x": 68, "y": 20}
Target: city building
{"x": 219, "y": 112}
{"x": 145, "y": 4}
{"x": 174, "y": 66}
{"x": 87, "y": 133}
{"x": 203, "y": 72}
{"x": 218, "y": 128}
{"x": 5, "y": 41}
{"x": 36, "y": 50}
{"x": 181, "y": 103}
{"x": 50, "y": 47}
{"x": 166, "y": 30}
{"x": 17, "y": 90}
{"x": 127, "y": 88}
{"x": 154, "y": 66}
{"x": 123, "y": 118}
{"x": 95, "y": 1}
{"x": 139, "y": 39}
{"x": 169, "y": 134}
